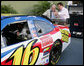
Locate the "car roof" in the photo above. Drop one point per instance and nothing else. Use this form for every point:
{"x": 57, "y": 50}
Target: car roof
{"x": 10, "y": 19}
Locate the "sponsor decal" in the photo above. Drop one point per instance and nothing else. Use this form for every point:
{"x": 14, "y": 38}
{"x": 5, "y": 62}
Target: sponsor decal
{"x": 47, "y": 60}
{"x": 32, "y": 16}
{"x": 46, "y": 40}
{"x": 45, "y": 53}
{"x": 17, "y": 18}
{"x": 65, "y": 35}
{"x": 32, "y": 28}
{"x": 25, "y": 56}
{"x": 45, "y": 57}
{"x": 46, "y": 49}
{"x": 34, "y": 35}
{"x": 33, "y": 31}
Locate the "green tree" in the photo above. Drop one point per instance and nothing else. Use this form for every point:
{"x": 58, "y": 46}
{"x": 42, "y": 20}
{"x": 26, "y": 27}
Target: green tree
{"x": 40, "y": 8}
{"x": 8, "y": 9}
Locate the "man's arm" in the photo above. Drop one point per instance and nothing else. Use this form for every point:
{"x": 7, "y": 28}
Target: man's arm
{"x": 62, "y": 13}
{"x": 45, "y": 13}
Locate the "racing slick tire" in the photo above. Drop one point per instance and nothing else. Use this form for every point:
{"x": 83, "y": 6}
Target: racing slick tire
{"x": 55, "y": 52}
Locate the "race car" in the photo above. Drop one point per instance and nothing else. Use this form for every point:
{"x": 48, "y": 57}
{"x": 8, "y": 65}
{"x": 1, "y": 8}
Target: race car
{"x": 32, "y": 40}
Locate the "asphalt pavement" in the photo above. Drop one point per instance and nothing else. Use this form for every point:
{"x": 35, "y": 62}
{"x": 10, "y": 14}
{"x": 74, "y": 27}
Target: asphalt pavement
{"x": 73, "y": 54}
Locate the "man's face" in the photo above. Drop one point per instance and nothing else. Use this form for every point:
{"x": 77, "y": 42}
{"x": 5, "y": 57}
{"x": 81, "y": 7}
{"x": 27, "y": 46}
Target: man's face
{"x": 60, "y": 7}
{"x": 53, "y": 8}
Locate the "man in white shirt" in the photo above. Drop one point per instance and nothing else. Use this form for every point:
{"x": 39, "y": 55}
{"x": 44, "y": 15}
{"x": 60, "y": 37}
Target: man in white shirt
{"x": 63, "y": 14}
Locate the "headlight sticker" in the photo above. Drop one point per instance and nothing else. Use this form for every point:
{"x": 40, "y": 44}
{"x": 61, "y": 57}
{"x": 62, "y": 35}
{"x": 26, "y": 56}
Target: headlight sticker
{"x": 65, "y": 35}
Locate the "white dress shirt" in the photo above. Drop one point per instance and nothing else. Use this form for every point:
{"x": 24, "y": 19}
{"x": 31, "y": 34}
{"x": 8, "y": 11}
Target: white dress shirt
{"x": 63, "y": 14}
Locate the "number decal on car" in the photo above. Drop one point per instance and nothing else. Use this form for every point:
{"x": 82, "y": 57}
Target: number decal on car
{"x": 22, "y": 56}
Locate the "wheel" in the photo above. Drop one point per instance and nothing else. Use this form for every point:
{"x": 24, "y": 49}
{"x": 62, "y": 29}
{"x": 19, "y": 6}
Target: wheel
{"x": 55, "y": 53}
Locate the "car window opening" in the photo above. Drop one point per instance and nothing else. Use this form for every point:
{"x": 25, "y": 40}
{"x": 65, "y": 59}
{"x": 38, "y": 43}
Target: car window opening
{"x": 15, "y": 33}
{"x": 42, "y": 27}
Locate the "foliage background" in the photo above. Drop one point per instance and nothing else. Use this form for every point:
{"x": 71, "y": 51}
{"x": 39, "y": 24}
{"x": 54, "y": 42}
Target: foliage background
{"x": 29, "y": 7}
{"x": 8, "y": 9}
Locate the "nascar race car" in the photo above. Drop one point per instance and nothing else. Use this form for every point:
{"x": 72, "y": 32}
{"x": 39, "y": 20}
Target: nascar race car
{"x": 32, "y": 40}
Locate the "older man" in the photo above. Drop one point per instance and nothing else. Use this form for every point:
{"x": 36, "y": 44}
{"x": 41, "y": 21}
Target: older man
{"x": 50, "y": 12}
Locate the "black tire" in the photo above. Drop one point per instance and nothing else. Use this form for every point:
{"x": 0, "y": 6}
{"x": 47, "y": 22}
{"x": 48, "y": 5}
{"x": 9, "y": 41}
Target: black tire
{"x": 55, "y": 53}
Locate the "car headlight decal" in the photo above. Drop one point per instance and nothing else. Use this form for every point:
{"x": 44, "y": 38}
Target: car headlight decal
{"x": 65, "y": 35}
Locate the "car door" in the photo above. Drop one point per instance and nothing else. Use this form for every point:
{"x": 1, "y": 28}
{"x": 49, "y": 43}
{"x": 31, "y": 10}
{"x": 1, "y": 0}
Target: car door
{"x": 17, "y": 46}
{"x": 16, "y": 32}
{"x": 43, "y": 31}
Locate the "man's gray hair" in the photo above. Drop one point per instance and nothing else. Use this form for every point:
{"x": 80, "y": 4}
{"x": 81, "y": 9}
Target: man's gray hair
{"x": 53, "y": 5}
